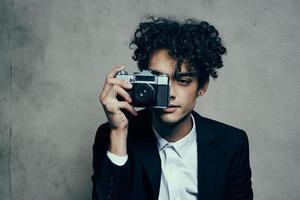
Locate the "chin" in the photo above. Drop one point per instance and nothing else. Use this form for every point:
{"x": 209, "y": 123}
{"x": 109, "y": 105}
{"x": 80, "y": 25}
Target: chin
{"x": 169, "y": 118}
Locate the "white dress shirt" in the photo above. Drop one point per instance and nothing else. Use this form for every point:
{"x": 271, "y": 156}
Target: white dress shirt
{"x": 179, "y": 167}
{"x": 179, "y": 177}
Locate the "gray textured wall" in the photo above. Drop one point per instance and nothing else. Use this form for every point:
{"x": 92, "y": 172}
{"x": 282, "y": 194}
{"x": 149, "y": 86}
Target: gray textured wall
{"x": 53, "y": 57}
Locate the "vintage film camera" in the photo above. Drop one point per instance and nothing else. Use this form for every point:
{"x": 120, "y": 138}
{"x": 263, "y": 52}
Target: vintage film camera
{"x": 148, "y": 90}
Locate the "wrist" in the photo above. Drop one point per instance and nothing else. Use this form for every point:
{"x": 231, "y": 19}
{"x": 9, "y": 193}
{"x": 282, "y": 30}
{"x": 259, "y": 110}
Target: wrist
{"x": 120, "y": 133}
{"x": 118, "y": 142}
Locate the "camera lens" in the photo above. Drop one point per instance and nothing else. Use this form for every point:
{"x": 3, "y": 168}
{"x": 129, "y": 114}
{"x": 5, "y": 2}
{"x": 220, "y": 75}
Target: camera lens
{"x": 144, "y": 93}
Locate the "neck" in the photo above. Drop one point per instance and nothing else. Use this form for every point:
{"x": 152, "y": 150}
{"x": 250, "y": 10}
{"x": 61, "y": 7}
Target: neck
{"x": 173, "y": 131}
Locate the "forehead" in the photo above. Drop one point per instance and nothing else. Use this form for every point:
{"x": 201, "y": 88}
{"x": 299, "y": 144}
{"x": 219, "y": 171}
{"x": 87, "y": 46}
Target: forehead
{"x": 162, "y": 62}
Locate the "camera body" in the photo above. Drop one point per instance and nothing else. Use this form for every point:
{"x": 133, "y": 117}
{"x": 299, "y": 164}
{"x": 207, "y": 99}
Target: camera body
{"x": 148, "y": 90}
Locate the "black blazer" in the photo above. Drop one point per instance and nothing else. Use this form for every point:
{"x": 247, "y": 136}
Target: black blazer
{"x": 223, "y": 162}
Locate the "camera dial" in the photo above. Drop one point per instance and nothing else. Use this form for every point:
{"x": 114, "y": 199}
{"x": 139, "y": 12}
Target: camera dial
{"x": 122, "y": 72}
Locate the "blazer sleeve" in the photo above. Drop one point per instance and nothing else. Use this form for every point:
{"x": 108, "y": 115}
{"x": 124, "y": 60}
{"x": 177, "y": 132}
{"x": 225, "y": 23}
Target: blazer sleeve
{"x": 240, "y": 185}
{"x": 110, "y": 181}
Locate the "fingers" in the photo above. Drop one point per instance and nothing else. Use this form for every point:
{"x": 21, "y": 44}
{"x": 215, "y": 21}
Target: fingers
{"x": 111, "y": 80}
{"x": 117, "y": 90}
{"x": 114, "y": 71}
{"x": 123, "y": 83}
{"x": 117, "y": 106}
{"x": 115, "y": 87}
{"x": 125, "y": 105}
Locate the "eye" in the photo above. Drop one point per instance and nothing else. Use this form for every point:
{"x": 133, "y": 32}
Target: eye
{"x": 184, "y": 81}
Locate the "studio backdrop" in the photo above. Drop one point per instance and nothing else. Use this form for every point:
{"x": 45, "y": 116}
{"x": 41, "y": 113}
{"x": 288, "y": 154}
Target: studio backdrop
{"x": 54, "y": 56}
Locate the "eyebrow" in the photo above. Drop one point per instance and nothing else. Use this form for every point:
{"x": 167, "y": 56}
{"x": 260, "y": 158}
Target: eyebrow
{"x": 192, "y": 74}
{"x": 178, "y": 74}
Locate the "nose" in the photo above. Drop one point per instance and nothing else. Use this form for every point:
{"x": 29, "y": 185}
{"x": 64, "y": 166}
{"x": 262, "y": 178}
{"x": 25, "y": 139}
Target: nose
{"x": 172, "y": 91}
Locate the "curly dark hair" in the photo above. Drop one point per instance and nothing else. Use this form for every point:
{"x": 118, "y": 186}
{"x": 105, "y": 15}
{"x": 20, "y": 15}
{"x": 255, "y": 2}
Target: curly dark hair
{"x": 195, "y": 42}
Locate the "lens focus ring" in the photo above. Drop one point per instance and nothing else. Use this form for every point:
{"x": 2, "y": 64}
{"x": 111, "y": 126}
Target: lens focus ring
{"x": 144, "y": 93}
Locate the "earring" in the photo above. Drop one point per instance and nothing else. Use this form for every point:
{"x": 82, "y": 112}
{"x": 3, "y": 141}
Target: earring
{"x": 201, "y": 92}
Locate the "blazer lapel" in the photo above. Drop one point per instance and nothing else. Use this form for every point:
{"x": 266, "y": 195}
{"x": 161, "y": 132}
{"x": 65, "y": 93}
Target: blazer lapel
{"x": 146, "y": 148}
{"x": 206, "y": 158}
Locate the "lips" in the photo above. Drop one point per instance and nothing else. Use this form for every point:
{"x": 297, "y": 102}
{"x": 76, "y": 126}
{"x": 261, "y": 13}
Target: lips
{"x": 170, "y": 109}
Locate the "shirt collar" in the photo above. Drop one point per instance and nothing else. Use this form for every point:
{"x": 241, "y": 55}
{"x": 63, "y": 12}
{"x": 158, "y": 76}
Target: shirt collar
{"x": 181, "y": 146}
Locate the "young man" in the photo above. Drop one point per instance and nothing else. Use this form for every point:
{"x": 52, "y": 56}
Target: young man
{"x": 171, "y": 153}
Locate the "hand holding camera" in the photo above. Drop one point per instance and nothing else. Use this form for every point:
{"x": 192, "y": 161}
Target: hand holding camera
{"x": 112, "y": 88}
{"x": 113, "y": 108}
{"x": 121, "y": 92}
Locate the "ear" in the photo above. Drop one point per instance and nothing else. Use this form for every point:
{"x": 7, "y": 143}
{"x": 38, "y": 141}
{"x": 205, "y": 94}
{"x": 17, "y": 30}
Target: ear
{"x": 202, "y": 90}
